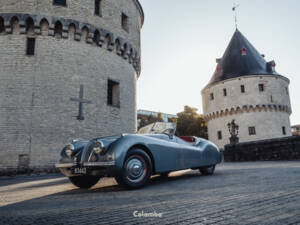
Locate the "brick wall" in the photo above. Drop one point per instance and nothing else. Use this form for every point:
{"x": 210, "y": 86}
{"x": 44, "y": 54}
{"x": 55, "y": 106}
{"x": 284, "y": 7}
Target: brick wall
{"x": 37, "y": 117}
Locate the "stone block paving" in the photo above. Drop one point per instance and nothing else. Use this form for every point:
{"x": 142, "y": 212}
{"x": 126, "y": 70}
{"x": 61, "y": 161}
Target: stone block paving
{"x": 238, "y": 193}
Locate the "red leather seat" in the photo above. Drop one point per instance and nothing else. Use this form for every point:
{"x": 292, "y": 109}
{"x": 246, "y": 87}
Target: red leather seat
{"x": 188, "y": 139}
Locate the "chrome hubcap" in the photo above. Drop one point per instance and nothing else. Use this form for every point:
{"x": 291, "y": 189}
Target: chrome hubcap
{"x": 136, "y": 169}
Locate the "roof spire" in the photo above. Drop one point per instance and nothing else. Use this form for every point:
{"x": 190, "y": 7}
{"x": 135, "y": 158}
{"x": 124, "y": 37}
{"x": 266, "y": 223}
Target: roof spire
{"x": 235, "y": 6}
{"x": 241, "y": 59}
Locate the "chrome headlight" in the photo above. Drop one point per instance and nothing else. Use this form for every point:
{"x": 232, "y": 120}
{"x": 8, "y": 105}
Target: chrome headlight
{"x": 98, "y": 147}
{"x": 69, "y": 149}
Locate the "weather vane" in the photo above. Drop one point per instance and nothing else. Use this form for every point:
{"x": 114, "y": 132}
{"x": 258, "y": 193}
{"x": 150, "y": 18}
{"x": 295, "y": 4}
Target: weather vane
{"x": 235, "y": 6}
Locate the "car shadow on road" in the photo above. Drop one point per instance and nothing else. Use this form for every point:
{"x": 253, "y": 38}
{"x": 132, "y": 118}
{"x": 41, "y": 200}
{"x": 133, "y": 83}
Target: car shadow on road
{"x": 40, "y": 185}
{"x": 23, "y": 179}
{"x": 155, "y": 181}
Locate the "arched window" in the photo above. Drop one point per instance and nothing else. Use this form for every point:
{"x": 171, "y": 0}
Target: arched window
{"x": 107, "y": 40}
{"x": 29, "y": 26}
{"x": 125, "y": 49}
{"x": 117, "y": 47}
{"x": 131, "y": 55}
{"x": 58, "y": 29}
{"x": 84, "y": 34}
{"x": 44, "y": 27}
{"x": 14, "y": 22}
{"x": 72, "y": 31}
{"x": 96, "y": 38}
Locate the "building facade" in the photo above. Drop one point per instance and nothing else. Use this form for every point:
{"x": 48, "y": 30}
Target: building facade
{"x": 247, "y": 89}
{"x": 165, "y": 116}
{"x": 68, "y": 70}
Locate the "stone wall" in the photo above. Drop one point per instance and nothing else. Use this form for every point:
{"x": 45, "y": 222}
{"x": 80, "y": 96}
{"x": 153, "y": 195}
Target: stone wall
{"x": 268, "y": 124}
{"x": 287, "y": 148}
{"x": 37, "y": 117}
{"x": 267, "y": 111}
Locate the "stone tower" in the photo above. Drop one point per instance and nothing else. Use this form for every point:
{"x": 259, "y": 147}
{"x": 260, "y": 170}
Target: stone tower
{"x": 68, "y": 70}
{"x": 246, "y": 88}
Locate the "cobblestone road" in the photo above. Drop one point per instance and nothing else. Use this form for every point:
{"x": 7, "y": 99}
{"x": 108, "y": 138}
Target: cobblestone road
{"x": 238, "y": 193}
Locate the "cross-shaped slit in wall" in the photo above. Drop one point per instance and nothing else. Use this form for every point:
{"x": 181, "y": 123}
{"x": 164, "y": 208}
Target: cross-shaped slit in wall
{"x": 81, "y": 101}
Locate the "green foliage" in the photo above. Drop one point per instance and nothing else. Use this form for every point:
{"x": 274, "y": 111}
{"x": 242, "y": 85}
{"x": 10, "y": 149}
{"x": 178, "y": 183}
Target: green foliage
{"x": 190, "y": 123}
{"x": 172, "y": 120}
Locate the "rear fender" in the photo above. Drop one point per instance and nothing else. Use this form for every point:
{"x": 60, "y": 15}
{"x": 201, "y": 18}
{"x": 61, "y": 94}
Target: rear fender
{"x": 211, "y": 155}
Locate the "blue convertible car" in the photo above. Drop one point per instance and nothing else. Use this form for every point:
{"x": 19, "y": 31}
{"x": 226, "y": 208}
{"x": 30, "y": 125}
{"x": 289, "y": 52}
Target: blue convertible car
{"x": 132, "y": 158}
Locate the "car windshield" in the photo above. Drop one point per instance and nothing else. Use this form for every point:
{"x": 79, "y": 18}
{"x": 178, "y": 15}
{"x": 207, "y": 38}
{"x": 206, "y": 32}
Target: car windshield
{"x": 158, "y": 128}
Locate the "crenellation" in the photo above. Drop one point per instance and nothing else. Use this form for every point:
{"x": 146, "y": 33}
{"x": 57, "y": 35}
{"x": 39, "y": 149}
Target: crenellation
{"x": 83, "y": 32}
{"x": 247, "y": 109}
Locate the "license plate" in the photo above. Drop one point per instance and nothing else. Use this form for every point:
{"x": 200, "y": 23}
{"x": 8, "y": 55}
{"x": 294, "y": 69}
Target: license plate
{"x": 79, "y": 171}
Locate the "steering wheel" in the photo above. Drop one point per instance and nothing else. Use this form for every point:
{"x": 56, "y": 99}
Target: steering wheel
{"x": 169, "y": 132}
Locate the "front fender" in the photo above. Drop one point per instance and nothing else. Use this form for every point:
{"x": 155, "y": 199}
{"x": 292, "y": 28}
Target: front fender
{"x": 121, "y": 147}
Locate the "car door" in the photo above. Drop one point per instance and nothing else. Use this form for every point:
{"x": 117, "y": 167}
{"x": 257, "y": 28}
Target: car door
{"x": 166, "y": 152}
{"x": 191, "y": 155}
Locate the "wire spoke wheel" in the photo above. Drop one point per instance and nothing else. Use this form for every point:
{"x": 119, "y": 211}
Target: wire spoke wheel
{"x": 137, "y": 169}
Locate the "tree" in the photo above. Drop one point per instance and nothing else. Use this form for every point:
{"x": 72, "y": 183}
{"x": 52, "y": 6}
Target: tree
{"x": 190, "y": 123}
{"x": 160, "y": 117}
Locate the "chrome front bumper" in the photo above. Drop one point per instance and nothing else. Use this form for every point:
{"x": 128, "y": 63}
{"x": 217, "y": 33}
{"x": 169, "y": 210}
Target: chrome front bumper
{"x": 88, "y": 164}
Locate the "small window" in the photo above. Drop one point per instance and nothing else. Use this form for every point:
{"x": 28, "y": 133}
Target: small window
{"x": 243, "y": 88}
{"x": 60, "y": 2}
{"x": 113, "y": 93}
{"x": 30, "y": 48}
{"x": 244, "y": 51}
{"x": 211, "y": 96}
{"x": 98, "y": 11}
{"x": 283, "y": 131}
{"x": 125, "y": 24}
{"x": 224, "y": 92}
{"x": 287, "y": 90}
{"x": 271, "y": 98}
{"x": 261, "y": 87}
{"x": 251, "y": 130}
{"x": 219, "y": 135}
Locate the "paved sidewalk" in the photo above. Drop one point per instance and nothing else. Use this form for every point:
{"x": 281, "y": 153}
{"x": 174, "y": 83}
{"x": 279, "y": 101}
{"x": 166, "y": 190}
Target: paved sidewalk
{"x": 238, "y": 193}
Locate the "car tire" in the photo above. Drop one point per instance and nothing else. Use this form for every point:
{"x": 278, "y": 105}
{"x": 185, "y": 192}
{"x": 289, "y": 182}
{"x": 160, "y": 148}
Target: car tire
{"x": 208, "y": 170}
{"x": 84, "y": 181}
{"x": 137, "y": 169}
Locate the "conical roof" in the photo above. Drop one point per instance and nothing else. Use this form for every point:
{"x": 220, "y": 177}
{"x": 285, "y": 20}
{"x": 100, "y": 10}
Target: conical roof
{"x": 241, "y": 59}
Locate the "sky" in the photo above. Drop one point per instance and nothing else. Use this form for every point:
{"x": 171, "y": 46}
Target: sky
{"x": 182, "y": 39}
